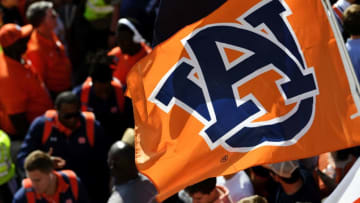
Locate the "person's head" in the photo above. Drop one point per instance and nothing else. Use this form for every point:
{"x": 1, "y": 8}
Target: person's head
{"x": 351, "y": 20}
{"x": 128, "y": 37}
{"x": 203, "y": 192}
{"x": 101, "y": 74}
{"x": 42, "y": 15}
{"x": 121, "y": 161}
{"x": 39, "y": 169}
{"x": 14, "y": 38}
{"x": 67, "y": 105}
{"x": 286, "y": 172}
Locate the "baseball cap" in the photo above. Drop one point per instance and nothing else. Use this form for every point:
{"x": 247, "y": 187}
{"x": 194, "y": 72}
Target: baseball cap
{"x": 283, "y": 169}
{"x": 10, "y": 33}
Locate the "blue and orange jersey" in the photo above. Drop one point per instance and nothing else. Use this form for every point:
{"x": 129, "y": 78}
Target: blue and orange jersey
{"x": 84, "y": 156}
{"x": 68, "y": 189}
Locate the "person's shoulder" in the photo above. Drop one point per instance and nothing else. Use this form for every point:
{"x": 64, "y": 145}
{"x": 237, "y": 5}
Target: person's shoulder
{"x": 39, "y": 121}
{"x": 20, "y": 196}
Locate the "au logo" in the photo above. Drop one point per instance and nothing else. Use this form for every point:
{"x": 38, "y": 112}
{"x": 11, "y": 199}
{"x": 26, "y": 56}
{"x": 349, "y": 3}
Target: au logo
{"x": 208, "y": 85}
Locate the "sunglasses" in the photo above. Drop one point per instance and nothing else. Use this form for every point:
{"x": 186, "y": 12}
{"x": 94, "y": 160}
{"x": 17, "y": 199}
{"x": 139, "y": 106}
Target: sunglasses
{"x": 71, "y": 115}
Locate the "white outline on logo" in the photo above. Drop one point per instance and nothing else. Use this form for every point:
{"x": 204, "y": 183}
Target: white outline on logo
{"x": 248, "y": 122}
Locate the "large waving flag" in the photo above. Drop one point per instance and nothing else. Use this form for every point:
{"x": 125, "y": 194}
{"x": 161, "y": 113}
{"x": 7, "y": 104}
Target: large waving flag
{"x": 254, "y": 82}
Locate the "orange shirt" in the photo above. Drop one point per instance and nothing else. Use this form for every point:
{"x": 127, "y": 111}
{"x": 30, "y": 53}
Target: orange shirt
{"x": 124, "y": 62}
{"x": 48, "y": 59}
{"x": 20, "y": 92}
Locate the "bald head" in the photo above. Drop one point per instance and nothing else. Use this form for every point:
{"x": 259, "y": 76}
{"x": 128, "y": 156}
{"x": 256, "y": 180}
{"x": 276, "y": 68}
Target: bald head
{"x": 121, "y": 160}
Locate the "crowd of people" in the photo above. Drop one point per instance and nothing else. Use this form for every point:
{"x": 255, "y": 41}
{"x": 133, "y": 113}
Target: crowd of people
{"x": 66, "y": 124}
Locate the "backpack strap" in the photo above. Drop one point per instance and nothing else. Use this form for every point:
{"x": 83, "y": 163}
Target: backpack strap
{"x": 29, "y": 191}
{"x": 49, "y": 122}
{"x": 119, "y": 94}
{"x": 90, "y": 126}
{"x": 84, "y": 96}
{"x": 70, "y": 177}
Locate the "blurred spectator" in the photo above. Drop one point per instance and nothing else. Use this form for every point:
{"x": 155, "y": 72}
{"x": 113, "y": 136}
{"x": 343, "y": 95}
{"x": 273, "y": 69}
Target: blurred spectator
{"x": 77, "y": 138}
{"x": 144, "y": 13}
{"x": 99, "y": 15}
{"x": 131, "y": 48}
{"x": 207, "y": 191}
{"x": 352, "y": 26}
{"x": 339, "y": 8}
{"x": 295, "y": 184}
{"x": 22, "y": 95}
{"x": 239, "y": 185}
{"x": 103, "y": 95}
{"x": 262, "y": 182}
{"x": 59, "y": 29}
{"x": 93, "y": 29}
{"x": 46, "y": 185}
{"x": 45, "y": 51}
{"x": 325, "y": 174}
{"x": 333, "y": 167}
{"x": 129, "y": 185}
{"x": 8, "y": 185}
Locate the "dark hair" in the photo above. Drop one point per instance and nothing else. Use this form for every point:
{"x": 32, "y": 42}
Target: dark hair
{"x": 38, "y": 160}
{"x": 351, "y": 19}
{"x": 99, "y": 66}
{"x": 204, "y": 187}
{"x": 37, "y": 12}
{"x": 66, "y": 97}
{"x": 261, "y": 171}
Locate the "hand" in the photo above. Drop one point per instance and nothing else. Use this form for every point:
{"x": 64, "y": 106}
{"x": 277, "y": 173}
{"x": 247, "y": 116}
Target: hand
{"x": 58, "y": 162}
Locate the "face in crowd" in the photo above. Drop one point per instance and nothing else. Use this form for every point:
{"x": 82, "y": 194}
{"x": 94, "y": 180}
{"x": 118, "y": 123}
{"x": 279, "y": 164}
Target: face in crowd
{"x": 41, "y": 181}
{"x": 69, "y": 115}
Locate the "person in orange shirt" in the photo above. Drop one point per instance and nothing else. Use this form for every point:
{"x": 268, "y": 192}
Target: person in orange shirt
{"x": 22, "y": 95}
{"x": 131, "y": 48}
{"x": 45, "y": 51}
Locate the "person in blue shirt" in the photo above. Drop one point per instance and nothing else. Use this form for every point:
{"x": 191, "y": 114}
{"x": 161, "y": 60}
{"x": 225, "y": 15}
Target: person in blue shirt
{"x": 351, "y": 23}
{"x": 104, "y": 96}
{"x": 44, "y": 184}
{"x": 295, "y": 184}
{"x": 77, "y": 138}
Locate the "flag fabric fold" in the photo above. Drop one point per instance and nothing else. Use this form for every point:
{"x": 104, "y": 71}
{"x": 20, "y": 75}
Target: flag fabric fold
{"x": 255, "y": 82}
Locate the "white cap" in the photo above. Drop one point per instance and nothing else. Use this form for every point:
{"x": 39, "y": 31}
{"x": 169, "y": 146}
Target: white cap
{"x": 283, "y": 169}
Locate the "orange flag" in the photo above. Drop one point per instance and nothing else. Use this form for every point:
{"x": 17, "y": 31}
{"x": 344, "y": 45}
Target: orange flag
{"x": 254, "y": 82}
